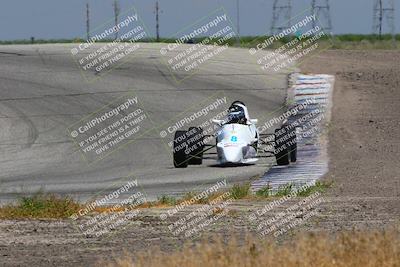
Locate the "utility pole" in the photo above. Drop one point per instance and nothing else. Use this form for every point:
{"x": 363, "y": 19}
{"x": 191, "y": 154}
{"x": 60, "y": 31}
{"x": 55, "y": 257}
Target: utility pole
{"x": 238, "y": 21}
{"x": 87, "y": 22}
{"x": 157, "y": 22}
{"x": 116, "y": 14}
{"x": 281, "y": 15}
{"x": 321, "y": 9}
{"x": 384, "y": 10}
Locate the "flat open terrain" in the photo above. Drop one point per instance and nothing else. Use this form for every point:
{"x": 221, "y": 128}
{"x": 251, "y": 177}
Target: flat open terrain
{"x": 364, "y": 153}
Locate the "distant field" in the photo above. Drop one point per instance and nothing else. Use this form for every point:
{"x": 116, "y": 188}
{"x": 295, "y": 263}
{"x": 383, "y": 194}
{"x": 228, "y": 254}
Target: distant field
{"x": 345, "y": 41}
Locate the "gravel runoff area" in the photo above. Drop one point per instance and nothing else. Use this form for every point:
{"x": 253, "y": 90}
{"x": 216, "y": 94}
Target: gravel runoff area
{"x": 364, "y": 148}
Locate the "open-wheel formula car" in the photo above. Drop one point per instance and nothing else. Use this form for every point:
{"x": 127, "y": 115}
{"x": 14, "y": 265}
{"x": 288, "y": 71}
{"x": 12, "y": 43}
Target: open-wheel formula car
{"x": 237, "y": 142}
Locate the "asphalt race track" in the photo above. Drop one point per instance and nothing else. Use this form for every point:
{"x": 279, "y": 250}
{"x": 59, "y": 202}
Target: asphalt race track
{"x": 42, "y": 92}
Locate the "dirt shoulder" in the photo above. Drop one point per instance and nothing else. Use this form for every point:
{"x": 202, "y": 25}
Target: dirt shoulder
{"x": 364, "y": 136}
{"x": 364, "y": 149}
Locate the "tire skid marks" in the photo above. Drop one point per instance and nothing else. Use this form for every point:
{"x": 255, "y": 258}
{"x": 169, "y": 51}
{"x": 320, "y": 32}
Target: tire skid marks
{"x": 32, "y": 132}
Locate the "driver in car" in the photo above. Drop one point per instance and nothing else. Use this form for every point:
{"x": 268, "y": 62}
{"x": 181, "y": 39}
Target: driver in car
{"x": 236, "y": 115}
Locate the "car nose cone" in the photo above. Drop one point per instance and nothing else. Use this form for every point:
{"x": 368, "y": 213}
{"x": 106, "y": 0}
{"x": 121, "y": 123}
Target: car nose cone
{"x": 233, "y": 154}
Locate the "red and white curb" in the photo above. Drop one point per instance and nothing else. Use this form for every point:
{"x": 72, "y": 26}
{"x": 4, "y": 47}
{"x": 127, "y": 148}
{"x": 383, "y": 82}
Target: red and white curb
{"x": 312, "y": 135}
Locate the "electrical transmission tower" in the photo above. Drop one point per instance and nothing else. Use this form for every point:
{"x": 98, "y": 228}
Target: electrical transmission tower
{"x": 281, "y": 15}
{"x": 157, "y": 22}
{"x": 238, "y": 21}
{"x": 116, "y": 14}
{"x": 157, "y": 12}
{"x": 321, "y": 9}
{"x": 87, "y": 22}
{"x": 383, "y": 10}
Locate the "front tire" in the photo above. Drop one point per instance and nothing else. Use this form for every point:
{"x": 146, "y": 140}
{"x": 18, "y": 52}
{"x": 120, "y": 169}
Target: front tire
{"x": 196, "y": 146}
{"x": 179, "y": 153}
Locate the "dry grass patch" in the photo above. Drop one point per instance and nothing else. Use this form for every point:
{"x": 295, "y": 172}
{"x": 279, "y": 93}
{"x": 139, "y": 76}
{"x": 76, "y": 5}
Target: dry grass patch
{"x": 347, "y": 249}
{"x": 40, "y": 206}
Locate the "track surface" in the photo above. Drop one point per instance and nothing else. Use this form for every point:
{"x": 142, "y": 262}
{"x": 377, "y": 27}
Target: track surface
{"x": 42, "y": 92}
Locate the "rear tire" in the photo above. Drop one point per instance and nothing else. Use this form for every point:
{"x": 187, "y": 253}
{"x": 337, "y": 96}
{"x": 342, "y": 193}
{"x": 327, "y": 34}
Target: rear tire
{"x": 292, "y": 145}
{"x": 196, "y": 146}
{"x": 293, "y": 153}
{"x": 179, "y": 152}
{"x": 281, "y": 148}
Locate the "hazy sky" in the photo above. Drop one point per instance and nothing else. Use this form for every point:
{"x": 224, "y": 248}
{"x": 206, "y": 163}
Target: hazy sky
{"x": 21, "y": 19}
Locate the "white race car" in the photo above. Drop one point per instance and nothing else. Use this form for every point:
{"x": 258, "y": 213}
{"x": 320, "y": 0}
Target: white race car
{"x": 237, "y": 142}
